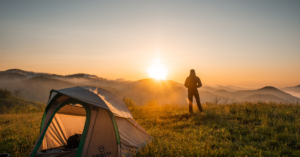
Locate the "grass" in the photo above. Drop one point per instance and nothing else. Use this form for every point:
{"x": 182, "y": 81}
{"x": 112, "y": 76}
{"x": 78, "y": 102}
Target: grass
{"x": 245, "y": 129}
{"x": 11, "y": 104}
{"x": 18, "y": 133}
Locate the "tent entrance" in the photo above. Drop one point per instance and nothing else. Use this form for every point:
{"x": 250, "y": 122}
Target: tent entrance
{"x": 69, "y": 122}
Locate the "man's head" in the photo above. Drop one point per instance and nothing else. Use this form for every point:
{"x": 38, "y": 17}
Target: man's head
{"x": 192, "y": 72}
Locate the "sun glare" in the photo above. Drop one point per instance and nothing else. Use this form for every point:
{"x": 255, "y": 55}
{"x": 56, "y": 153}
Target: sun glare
{"x": 158, "y": 72}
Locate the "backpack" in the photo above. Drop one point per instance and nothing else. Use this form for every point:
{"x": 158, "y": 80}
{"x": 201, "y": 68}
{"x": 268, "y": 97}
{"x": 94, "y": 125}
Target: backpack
{"x": 73, "y": 141}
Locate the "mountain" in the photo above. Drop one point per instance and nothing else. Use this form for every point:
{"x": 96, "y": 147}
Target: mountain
{"x": 206, "y": 96}
{"x": 82, "y": 75}
{"x": 292, "y": 89}
{"x": 229, "y": 88}
{"x": 242, "y": 94}
{"x": 7, "y": 76}
{"x": 223, "y": 93}
{"x": 79, "y": 78}
{"x": 295, "y": 91}
{"x": 236, "y": 88}
{"x": 36, "y": 86}
{"x": 264, "y": 98}
{"x": 165, "y": 91}
{"x": 274, "y": 91}
{"x": 267, "y": 93}
{"x": 207, "y": 88}
{"x": 29, "y": 74}
{"x": 9, "y": 101}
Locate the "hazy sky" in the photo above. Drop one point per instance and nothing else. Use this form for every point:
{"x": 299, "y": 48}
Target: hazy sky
{"x": 243, "y": 43}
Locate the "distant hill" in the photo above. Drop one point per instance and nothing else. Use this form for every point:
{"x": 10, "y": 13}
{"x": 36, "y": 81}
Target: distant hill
{"x": 6, "y": 104}
{"x": 6, "y": 76}
{"x": 242, "y": 94}
{"x": 292, "y": 89}
{"x": 79, "y": 78}
{"x": 42, "y": 80}
{"x": 29, "y": 73}
{"x": 264, "y": 98}
{"x": 11, "y": 103}
{"x": 207, "y": 88}
{"x": 216, "y": 88}
{"x": 81, "y": 75}
{"x": 161, "y": 90}
{"x": 167, "y": 91}
{"x": 276, "y": 92}
{"x": 223, "y": 93}
{"x": 36, "y": 86}
{"x": 229, "y": 88}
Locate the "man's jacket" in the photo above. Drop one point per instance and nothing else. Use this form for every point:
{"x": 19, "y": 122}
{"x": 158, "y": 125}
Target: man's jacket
{"x": 192, "y": 83}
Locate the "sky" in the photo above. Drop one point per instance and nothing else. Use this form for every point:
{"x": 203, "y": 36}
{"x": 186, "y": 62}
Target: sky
{"x": 228, "y": 42}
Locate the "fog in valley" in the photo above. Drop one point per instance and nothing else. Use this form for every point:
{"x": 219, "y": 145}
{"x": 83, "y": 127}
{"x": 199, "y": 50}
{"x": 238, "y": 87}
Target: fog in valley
{"x": 37, "y": 86}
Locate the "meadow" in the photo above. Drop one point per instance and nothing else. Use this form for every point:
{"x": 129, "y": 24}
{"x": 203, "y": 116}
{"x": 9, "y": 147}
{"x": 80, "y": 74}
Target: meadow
{"x": 236, "y": 129}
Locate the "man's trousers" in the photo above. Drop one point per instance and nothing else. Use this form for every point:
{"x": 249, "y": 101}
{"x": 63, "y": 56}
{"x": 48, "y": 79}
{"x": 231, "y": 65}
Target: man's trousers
{"x": 190, "y": 97}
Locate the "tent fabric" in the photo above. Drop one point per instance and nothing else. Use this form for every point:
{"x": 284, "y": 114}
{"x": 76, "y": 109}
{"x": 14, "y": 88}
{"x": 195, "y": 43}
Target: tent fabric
{"x": 115, "y": 105}
{"x": 70, "y": 110}
{"x": 132, "y": 135}
{"x": 102, "y": 135}
{"x": 96, "y": 117}
{"x": 83, "y": 95}
{"x": 98, "y": 97}
{"x": 90, "y": 130}
{"x": 61, "y": 128}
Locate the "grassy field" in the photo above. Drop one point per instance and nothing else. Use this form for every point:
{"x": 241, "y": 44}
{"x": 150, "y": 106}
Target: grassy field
{"x": 245, "y": 129}
{"x": 18, "y": 133}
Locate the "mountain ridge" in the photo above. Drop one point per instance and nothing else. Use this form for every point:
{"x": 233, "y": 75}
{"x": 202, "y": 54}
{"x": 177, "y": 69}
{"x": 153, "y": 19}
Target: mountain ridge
{"x": 36, "y": 87}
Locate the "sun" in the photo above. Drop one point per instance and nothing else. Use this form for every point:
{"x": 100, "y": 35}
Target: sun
{"x": 157, "y": 71}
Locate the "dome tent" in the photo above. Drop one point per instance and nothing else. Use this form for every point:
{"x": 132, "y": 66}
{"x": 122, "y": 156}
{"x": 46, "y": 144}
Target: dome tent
{"x": 106, "y": 125}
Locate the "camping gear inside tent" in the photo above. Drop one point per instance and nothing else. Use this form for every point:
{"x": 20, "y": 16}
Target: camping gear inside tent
{"x": 88, "y": 122}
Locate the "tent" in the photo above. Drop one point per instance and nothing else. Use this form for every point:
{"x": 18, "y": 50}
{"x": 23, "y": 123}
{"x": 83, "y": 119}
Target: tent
{"x": 106, "y": 125}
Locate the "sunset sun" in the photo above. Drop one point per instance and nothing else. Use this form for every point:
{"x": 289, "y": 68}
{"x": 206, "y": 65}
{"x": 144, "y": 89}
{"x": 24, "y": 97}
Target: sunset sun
{"x": 158, "y": 72}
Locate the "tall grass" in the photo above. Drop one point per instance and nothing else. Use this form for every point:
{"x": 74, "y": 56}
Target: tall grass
{"x": 245, "y": 129}
{"x": 18, "y": 133}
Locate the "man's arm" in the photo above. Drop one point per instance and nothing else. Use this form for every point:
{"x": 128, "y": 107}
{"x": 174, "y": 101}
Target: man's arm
{"x": 186, "y": 83}
{"x": 199, "y": 84}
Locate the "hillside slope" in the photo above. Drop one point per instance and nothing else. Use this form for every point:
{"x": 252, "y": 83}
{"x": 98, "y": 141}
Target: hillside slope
{"x": 36, "y": 88}
{"x": 242, "y": 94}
{"x": 293, "y": 89}
{"x": 162, "y": 90}
{"x": 11, "y": 104}
{"x": 264, "y": 98}
{"x": 5, "y": 76}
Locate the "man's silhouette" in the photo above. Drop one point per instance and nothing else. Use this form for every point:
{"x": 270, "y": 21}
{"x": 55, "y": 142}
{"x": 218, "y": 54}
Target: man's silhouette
{"x": 192, "y": 83}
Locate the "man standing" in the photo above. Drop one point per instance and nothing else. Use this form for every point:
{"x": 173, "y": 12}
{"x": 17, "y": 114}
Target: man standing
{"x": 192, "y": 83}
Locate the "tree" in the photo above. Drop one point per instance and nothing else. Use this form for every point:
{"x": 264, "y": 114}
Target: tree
{"x": 4, "y": 93}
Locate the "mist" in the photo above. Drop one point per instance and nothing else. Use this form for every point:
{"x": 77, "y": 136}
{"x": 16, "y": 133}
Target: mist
{"x": 37, "y": 86}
